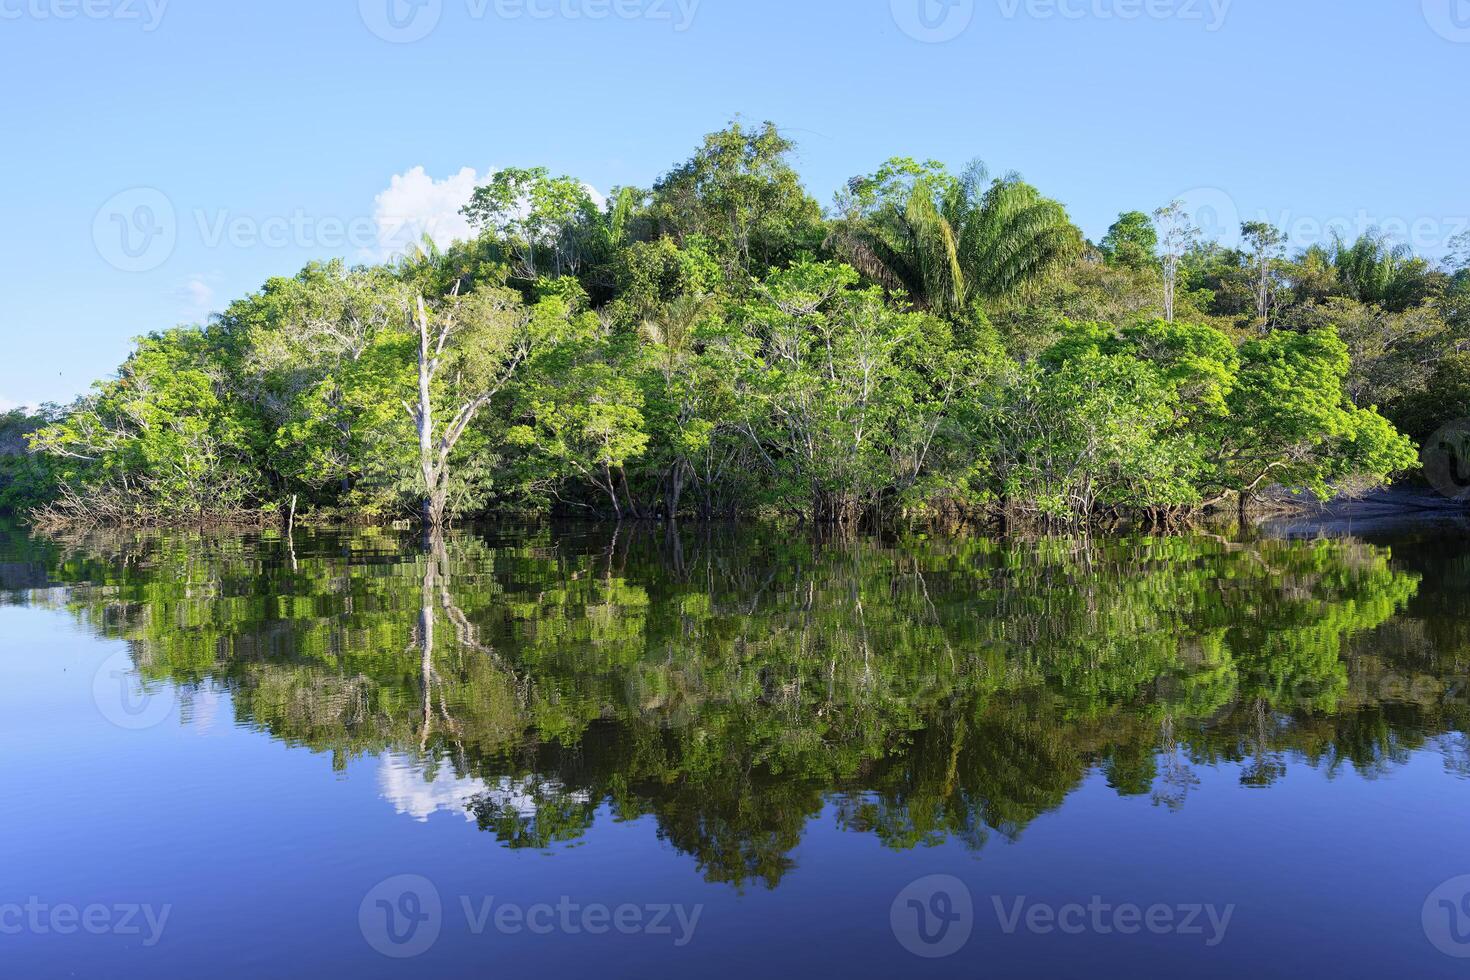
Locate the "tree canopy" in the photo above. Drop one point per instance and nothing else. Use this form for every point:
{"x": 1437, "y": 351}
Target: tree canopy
{"x": 934, "y": 344}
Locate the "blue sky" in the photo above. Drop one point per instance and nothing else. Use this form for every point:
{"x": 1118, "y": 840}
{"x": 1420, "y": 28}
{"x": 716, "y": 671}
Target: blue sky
{"x": 234, "y": 142}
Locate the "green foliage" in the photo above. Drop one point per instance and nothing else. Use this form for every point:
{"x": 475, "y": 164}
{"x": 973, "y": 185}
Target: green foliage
{"x": 1131, "y": 241}
{"x": 1443, "y": 399}
{"x": 324, "y": 360}
{"x": 163, "y": 438}
{"x": 1290, "y": 422}
{"x": 949, "y": 241}
{"x": 739, "y": 194}
{"x": 580, "y": 414}
{"x": 1087, "y": 428}
{"x": 539, "y": 216}
{"x": 852, "y": 392}
{"x": 652, "y": 274}
{"x": 1373, "y": 271}
{"x": 1392, "y": 353}
{"x": 942, "y": 346}
{"x": 27, "y": 478}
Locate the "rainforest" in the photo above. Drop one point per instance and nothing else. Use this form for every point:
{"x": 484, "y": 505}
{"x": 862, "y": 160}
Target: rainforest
{"x": 932, "y": 344}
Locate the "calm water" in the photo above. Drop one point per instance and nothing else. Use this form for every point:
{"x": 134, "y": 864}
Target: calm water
{"x": 731, "y": 753}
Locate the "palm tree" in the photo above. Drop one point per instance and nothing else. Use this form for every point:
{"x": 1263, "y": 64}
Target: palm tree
{"x": 673, "y": 328}
{"x": 949, "y": 241}
{"x": 1376, "y": 271}
{"x": 674, "y": 332}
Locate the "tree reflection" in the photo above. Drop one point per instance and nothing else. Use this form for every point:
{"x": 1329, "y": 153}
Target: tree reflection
{"x": 728, "y": 685}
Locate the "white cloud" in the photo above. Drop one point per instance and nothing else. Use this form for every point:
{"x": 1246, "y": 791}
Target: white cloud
{"x": 415, "y": 204}
{"x": 6, "y": 405}
{"x": 198, "y": 296}
{"x": 405, "y": 783}
{"x": 402, "y": 781}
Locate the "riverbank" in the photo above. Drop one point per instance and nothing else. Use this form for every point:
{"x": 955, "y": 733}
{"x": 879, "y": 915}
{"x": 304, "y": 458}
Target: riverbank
{"x": 1391, "y": 508}
{"x": 1288, "y": 515}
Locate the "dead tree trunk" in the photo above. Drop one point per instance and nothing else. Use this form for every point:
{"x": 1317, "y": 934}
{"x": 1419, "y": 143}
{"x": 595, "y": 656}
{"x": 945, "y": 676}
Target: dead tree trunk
{"x": 434, "y": 451}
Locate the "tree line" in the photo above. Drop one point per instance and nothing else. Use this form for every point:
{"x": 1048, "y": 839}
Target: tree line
{"x": 931, "y": 344}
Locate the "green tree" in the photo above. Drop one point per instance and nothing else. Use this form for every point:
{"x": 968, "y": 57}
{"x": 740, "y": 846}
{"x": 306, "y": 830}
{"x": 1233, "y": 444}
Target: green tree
{"x": 1131, "y": 241}
{"x": 27, "y": 478}
{"x": 163, "y": 440}
{"x": 580, "y": 409}
{"x": 949, "y": 241}
{"x": 1443, "y": 398}
{"x": 1371, "y": 270}
{"x": 315, "y": 358}
{"x": 1290, "y": 422}
{"x": 1392, "y": 354}
{"x": 740, "y": 194}
{"x": 539, "y": 216}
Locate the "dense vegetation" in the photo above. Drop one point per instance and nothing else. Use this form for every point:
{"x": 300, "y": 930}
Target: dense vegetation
{"x": 729, "y": 684}
{"x": 719, "y": 345}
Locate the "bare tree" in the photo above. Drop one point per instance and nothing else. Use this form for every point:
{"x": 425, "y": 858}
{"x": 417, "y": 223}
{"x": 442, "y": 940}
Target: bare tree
{"x": 1177, "y": 235}
{"x": 1265, "y": 242}
{"x": 473, "y": 345}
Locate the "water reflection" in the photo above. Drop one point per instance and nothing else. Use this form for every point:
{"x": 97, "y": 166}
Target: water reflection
{"x": 420, "y": 791}
{"x": 729, "y": 684}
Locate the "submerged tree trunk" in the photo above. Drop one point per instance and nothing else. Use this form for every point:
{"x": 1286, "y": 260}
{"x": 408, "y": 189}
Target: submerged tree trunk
{"x": 426, "y": 645}
{"x": 675, "y": 491}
